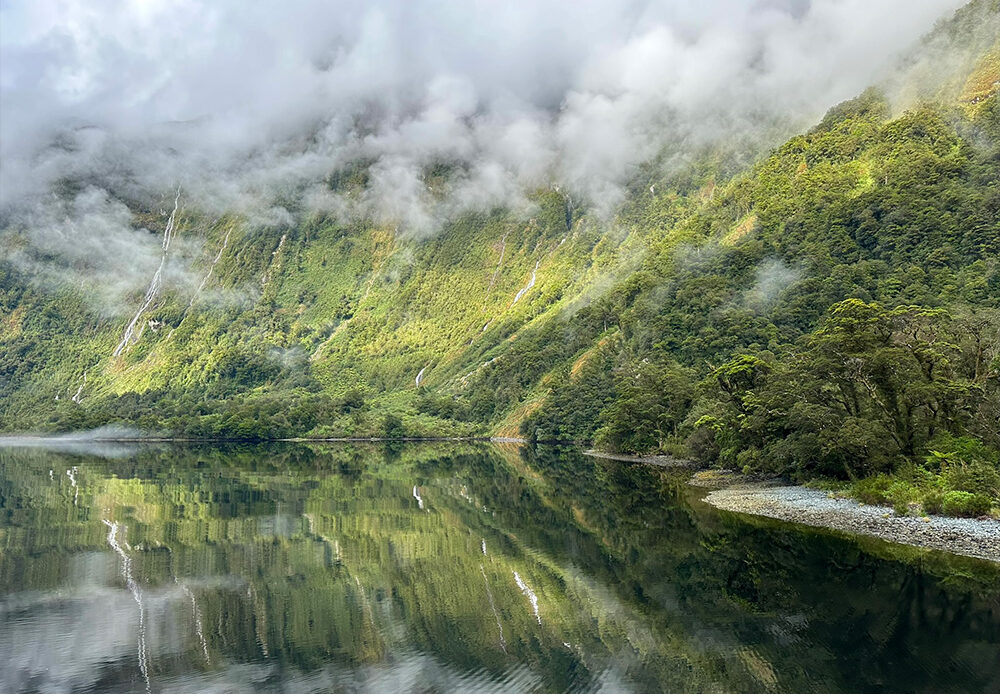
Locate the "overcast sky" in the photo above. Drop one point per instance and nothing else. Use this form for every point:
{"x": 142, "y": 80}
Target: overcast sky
{"x": 236, "y": 100}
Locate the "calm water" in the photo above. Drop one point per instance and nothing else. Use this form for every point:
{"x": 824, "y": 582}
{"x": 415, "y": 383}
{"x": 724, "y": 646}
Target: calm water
{"x": 452, "y": 568}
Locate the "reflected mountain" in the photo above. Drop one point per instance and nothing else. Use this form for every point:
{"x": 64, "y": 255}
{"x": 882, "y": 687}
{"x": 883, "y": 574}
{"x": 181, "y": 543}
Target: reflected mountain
{"x": 451, "y": 568}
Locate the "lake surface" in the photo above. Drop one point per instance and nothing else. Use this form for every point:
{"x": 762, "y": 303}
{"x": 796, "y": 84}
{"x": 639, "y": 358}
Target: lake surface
{"x": 452, "y": 568}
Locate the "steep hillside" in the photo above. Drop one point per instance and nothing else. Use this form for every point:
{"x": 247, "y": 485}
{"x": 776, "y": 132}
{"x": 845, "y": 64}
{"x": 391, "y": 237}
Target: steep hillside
{"x": 320, "y": 327}
{"x": 846, "y": 223}
{"x": 660, "y": 328}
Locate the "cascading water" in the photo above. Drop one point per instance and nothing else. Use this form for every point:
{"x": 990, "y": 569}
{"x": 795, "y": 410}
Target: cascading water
{"x": 493, "y": 280}
{"x": 259, "y": 621}
{"x": 496, "y": 615}
{"x": 198, "y": 629}
{"x": 211, "y": 268}
{"x": 531, "y": 283}
{"x": 266, "y": 278}
{"x": 78, "y": 396}
{"x": 71, "y": 473}
{"x": 154, "y": 286}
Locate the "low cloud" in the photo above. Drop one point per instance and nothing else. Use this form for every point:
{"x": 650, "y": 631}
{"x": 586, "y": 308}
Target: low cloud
{"x": 86, "y": 241}
{"x": 250, "y": 108}
{"x": 772, "y": 278}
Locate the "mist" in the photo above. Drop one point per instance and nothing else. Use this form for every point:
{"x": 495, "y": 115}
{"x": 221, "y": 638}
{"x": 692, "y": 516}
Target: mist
{"x": 772, "y": 278}
{"x": 111, "y": 442}
{"x": 247, "y": 107}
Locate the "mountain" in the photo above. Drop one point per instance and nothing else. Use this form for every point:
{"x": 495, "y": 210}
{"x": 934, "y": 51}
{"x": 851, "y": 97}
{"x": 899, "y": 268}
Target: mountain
{"x": 835, "y": 301}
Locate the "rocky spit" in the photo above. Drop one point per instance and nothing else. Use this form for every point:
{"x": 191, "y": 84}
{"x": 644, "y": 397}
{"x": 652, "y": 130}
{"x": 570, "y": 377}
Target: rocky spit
{"x": 968, "y": 536}
{"x": 658, "y": 460}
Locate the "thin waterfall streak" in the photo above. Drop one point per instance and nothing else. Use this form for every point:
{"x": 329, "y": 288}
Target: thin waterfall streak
{"x": 530, "y": 594}
{"x": 366, "y": 606}
{"x": 266, "y": 277}
{"x": 335, "y": 542}
{"x": 168, "y": 233}
{"x": 493, "y": 280}
{"x": 71, "y": 473}
{"x": 79, "y": 391}
{"x": 260, "y": 630}
{"x": 496, "y": 615}
{"x": 154, "y": 285}
{"x": 133, "y": 587}
{"x": 211, "y": 268}
{"x": 530, "y": 285}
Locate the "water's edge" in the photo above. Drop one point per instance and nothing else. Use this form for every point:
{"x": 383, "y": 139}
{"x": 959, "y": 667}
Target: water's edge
{"x": 978, "y": 538}
{"x": 971, "y": 537}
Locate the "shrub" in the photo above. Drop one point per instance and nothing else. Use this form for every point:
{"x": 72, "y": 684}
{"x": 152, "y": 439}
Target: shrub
{"x": 917, "y": 475}
{"x": 957, "y": 503}
{"x": 900, "y": 493}
{"x": 933, "y": 501}
{"x": 748, "y": 460}
{"x": 873, "y": 490}
{"x": 702, "y": 446}
{"x": 974, "y": 476}
{"x": 351, "y": 401}
{"x": 392, "y": 427}
{"x": 947, "y": 448}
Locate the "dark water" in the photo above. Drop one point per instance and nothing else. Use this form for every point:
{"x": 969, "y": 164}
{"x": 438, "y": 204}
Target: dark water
{"x": 452, "y": 568}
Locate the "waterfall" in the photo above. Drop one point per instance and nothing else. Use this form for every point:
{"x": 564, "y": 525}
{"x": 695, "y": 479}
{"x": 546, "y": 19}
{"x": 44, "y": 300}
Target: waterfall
{"x": 211, "y": 268}
{"x": 531, "y": 283}
{"x": 196, "y": 612}
{"x": 154, "y": 286}
{"x": 79, "y": 391}
{"x": 496, "y": 615}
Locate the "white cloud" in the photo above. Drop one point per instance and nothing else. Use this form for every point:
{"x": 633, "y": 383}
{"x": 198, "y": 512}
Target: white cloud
{"x": 243, "y": 103}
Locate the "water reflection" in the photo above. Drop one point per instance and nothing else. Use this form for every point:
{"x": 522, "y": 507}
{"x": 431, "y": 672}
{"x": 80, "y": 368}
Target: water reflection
{"x": 449, "y": 568}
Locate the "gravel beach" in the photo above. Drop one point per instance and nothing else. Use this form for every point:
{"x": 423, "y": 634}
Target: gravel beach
{"x": 967, "y": 536}
{"x": 658, "y": 460}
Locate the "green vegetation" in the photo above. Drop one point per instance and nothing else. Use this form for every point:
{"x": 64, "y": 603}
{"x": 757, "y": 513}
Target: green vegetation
{"x": 964, "y": 481}
{"x": 833, "y": 311}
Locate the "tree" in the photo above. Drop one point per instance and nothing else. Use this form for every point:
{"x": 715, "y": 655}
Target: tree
{"x": 653, "y": 399}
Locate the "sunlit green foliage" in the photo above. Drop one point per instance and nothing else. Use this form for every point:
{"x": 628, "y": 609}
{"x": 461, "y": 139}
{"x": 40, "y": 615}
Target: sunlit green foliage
{"x": 838, "y": 305}
{"x": 830, "y": 310}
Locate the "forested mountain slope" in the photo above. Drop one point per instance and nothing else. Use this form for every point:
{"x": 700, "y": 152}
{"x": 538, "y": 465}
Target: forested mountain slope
{"x": 831, "y": 308}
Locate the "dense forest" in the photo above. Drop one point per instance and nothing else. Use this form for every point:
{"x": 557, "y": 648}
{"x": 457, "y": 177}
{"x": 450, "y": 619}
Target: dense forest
{"x": 851, "y": 331}
{"x": 831, "y": 311}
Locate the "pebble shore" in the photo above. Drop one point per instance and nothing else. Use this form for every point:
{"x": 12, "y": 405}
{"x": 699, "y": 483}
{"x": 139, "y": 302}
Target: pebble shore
{"x": 967, "y": 536}
{"x": 658, "y": 460}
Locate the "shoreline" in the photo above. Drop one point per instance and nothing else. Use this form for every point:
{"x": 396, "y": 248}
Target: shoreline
{"x": 13, "y": 440}
{"x": 971, "y": 537}
{"x": 724, "y": 490}
{"x": 776, "y": 499}
{"x": 657, "y": 460}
